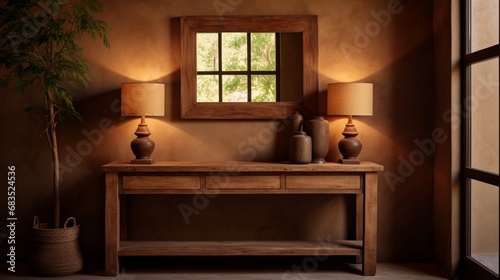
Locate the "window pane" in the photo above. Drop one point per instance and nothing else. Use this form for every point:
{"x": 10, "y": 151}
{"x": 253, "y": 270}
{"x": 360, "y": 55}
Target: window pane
{"x": 207, "y": 52}
{"x": 263, "y": 51}
{"x": 234, "y": 88}
{"x": 484, "y": 224}
{"x": 234, "y": 52}
{"x": 484, "y": 24}
{"x": 207, "y": 88}
{"x": 263, "y": 88}
{"x": 484, "y": 115}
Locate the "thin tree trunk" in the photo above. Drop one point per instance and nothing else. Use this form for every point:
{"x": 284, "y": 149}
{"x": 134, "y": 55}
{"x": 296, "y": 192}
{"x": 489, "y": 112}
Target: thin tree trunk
{"x": 55, "y": 156}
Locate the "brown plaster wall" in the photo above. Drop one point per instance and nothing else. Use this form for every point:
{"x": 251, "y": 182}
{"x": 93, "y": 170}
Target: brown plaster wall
{"x": 386, "y": 42}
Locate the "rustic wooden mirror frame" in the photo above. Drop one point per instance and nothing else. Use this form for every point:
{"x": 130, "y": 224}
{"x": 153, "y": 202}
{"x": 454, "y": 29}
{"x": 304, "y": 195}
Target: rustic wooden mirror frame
{"x": 307, "y": 25}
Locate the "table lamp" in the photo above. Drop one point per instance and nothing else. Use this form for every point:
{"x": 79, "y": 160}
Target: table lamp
{"x": 350, "y": 99}
{"x": 142, "y": 99}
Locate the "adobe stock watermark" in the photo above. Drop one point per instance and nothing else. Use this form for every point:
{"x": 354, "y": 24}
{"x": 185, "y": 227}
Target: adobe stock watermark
{"x": 123, "y": 275}
{"x": 201, "y": 201}
{"x": 311, "y": 263}
{"x": 92, "y": 138}
{"x": 485, "y": 88}
{"x": 363, "y": 35}
{"x": 223, "y": 6}
{"x": 249, "y": 148}
{"x": 32, "y": 25}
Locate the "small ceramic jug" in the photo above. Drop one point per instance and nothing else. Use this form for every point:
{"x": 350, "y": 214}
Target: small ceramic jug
{"x": 300, "y": 148}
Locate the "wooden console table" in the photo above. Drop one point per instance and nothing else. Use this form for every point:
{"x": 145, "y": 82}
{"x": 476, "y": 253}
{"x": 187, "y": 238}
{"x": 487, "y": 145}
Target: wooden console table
{"x": 123, "y": 178}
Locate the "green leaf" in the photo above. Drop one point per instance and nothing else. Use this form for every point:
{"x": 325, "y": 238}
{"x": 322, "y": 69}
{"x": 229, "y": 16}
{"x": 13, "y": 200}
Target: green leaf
{"x": 49, "y": 55}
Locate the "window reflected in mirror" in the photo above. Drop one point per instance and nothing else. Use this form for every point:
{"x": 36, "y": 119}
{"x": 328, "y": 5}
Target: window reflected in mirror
{"x": 248, "y": 67}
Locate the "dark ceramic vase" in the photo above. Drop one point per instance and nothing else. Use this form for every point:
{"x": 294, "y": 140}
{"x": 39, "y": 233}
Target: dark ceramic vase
{"x": 319, "y": 129}
{"x": 300, "y": 148}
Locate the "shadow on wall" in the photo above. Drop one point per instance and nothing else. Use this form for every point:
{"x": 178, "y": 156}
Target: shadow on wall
{"x": 403, "y": 120}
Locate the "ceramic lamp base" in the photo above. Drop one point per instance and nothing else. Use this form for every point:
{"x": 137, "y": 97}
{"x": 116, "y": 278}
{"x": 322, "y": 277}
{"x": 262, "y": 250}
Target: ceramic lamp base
{"x": 142, "y": 146}
{"x": 350, "y": 146}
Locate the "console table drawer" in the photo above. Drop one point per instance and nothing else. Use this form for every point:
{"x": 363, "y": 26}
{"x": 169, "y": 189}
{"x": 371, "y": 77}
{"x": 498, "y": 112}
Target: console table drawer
{"x": 242, "y": 182}
{"x": 323, "y": 182}
{"x": 161, "y": 182}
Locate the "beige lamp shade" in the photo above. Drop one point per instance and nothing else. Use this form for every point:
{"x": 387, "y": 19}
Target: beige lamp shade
{"x": 350, "y": 99}
{"x": 143, "y": 99}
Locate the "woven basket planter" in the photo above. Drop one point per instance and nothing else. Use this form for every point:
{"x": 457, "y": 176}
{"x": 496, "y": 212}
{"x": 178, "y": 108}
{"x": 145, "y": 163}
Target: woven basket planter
{"x": 55, "y": 252}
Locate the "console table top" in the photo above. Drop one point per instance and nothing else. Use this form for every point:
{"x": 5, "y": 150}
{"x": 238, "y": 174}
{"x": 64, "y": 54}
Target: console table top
{"x": 238, "y": 166}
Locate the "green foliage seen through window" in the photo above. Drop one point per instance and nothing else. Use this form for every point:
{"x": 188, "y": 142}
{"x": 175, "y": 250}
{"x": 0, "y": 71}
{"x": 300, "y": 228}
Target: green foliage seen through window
{"x": 236, "y": 67}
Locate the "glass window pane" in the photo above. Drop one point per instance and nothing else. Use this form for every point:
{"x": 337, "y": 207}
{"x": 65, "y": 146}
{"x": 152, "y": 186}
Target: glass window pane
{"x": 234, "y": 52}
{"x": 484, "y": 115}
{"x": 207, "y": 88}
{"x": 263, "y": 88}
{"x": 207, "y": 52}
{"x": 234, "y": 88}
{"x": 484, "y": 24}
{"x": 484, "y": 224}
{"x": 263, "y": 51}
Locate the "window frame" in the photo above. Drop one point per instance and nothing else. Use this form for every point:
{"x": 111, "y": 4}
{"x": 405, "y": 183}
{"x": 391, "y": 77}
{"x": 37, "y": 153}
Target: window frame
{"x": 471, "y": 266}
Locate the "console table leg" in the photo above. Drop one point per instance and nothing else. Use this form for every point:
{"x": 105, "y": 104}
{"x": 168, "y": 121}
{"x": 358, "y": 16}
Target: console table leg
{"x": 370, "y": 225}
{"x": 359, "y": 221}
{"x": 112, "y": 218}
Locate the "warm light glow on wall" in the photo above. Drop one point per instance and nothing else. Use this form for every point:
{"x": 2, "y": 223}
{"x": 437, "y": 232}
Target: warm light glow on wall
{"x": 349, "y": 74}
{"x": 139, "y": 71}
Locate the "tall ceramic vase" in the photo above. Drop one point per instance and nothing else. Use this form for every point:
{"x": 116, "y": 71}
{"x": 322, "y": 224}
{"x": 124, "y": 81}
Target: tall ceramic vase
{"x": 319, "y": 130}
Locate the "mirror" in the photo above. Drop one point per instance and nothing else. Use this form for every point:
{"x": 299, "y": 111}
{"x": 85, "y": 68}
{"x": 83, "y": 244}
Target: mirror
{"x": 296, "y": 82}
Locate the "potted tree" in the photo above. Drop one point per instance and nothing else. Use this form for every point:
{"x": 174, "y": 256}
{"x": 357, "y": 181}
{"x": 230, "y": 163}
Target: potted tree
{"x": 38, "y": 45}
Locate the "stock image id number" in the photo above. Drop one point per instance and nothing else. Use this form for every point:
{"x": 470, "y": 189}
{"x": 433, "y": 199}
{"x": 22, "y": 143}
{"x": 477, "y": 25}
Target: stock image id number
{"x": 11, "y": 190}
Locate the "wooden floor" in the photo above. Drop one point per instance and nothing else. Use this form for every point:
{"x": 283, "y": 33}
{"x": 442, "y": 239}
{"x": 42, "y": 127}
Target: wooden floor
{"x": 294, "y": 269}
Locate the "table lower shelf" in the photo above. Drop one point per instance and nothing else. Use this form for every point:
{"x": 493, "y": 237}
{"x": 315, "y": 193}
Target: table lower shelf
{"x": 240, "y": 248}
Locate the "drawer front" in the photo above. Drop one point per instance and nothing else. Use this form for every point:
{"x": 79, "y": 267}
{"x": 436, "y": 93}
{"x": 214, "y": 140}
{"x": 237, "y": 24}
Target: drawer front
{"x": 243, "y": 182}
{"x": 323, "y": 182}
{"x": 161, "y": 182}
